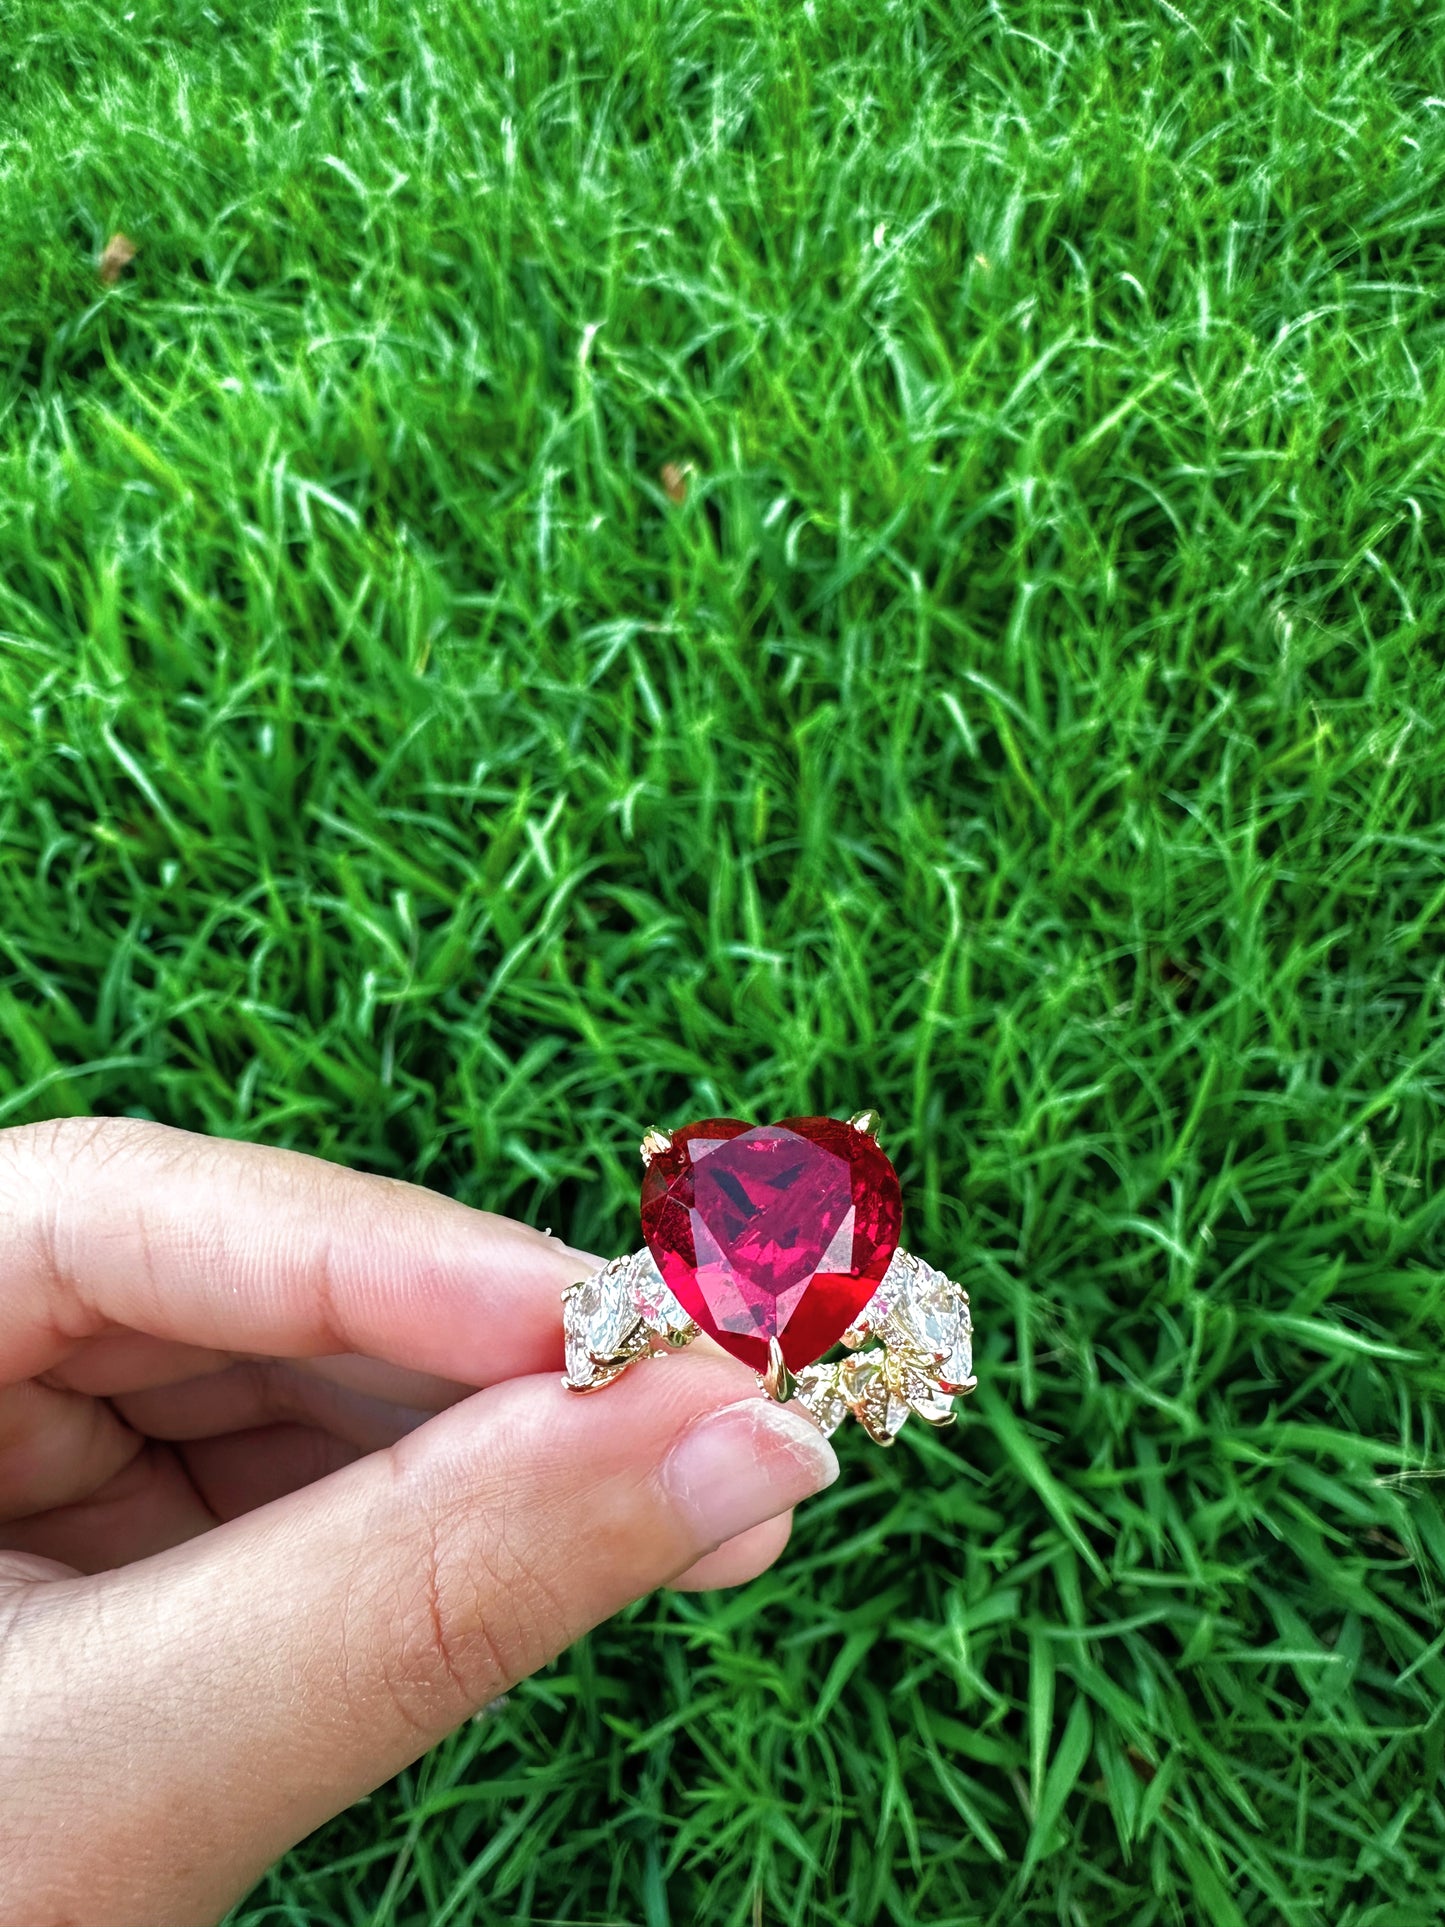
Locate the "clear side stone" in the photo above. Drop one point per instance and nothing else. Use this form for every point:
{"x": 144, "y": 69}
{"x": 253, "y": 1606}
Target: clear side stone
{"x": 654, "y": 1301}
{"x": 875, "y": 1313}
{"x": 928, "y": 1314}
{"x": 819, "y": 1390}
{"x": 600, "y": 1323}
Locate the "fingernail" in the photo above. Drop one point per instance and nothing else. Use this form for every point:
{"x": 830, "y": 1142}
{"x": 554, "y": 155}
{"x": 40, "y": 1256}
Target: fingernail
{"x": 744, "y": 1464}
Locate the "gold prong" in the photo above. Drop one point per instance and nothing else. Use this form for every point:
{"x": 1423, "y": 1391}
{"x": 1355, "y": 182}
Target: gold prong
{"x": 864, "y": 1418}
{"x": 634, "y": 1343}
{"x": 654, "y": 1143}
{"x": 778, "y": 1381}
{"x": 866, "y": 1121}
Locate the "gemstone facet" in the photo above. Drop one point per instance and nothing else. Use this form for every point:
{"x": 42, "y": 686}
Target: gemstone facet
{"x": 616, "y": 1315}
{"x": 600, "y": 1327}
{"x": 918, "y": 1310}
{"x": 772, "y": 1231}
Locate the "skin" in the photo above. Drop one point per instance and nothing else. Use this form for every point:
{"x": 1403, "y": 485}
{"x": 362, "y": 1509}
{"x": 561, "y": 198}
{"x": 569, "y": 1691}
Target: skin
{"x": 289, "y": 1487}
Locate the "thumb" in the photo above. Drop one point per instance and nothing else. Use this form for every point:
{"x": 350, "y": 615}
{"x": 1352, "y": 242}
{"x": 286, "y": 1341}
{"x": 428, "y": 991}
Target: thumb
{"x": 238, "y": 1690}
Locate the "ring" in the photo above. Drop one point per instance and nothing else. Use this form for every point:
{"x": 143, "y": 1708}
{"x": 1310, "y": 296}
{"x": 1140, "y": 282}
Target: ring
{"x": 779, "y": 1241}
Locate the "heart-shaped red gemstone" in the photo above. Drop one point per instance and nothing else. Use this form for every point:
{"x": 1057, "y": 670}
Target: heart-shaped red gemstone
{"x": 772, "y": 1230}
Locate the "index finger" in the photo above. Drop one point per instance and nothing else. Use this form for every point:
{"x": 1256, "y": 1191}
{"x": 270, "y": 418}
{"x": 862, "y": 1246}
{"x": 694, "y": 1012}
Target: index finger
{"x": 112, "y": 1223}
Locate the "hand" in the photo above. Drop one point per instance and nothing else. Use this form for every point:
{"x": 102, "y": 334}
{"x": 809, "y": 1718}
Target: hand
{"x": 261, "y": 1542}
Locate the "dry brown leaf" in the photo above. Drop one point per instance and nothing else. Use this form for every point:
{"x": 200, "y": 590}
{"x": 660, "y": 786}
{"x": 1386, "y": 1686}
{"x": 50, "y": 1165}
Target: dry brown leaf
{"x": 674, "y": 479}
{"x": 116, "y": 256}
{"x": 1144, "y": 1767}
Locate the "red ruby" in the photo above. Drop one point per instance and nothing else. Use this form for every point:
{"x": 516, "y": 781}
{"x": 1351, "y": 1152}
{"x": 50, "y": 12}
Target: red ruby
{"x": 772, "y": 1230}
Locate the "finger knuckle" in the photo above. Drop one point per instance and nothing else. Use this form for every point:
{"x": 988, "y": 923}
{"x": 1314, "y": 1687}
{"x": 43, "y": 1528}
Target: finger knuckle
{"x": 40, "y": 1162}
{"x": 49, "y": 1174}
{"x": 61, "y": 1144}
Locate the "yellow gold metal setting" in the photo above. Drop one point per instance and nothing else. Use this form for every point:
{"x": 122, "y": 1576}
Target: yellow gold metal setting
{"x": 778, "y": 1381}
{"x": 654, "y": 1143}
{"x": 867, "y": 1122}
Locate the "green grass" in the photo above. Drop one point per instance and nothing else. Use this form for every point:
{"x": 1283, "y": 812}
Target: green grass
{"x": 1031, "y": 725}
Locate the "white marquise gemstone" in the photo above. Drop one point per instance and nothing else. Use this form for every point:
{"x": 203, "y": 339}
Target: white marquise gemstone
{"x": 929, "y": 1314}
{"x": 598, "y": 1318}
